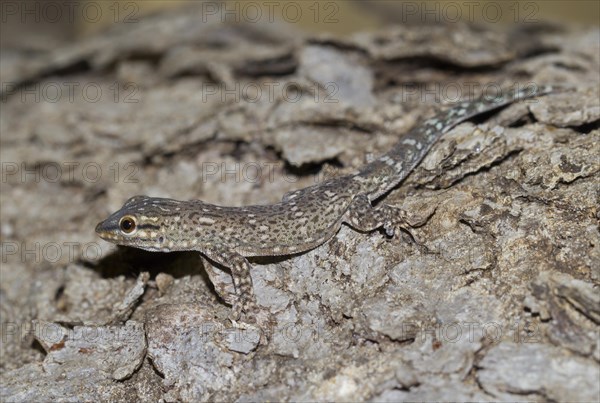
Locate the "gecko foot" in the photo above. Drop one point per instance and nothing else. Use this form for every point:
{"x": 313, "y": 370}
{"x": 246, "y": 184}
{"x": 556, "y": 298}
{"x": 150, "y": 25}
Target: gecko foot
{"x": 365, "y": 217}
{"x": 260, "y": 320}
{"x": 393, "y": 219}
{"x": 250, "y": 312}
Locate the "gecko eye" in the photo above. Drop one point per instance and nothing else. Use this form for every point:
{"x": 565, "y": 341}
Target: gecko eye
{"x": 127, "y": 224}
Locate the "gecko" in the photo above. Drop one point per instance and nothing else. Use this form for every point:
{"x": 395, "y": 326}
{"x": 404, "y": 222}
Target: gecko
{"x": 303, "y": 220}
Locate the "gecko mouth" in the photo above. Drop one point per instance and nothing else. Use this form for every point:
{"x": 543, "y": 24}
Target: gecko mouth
{"x": 99, "y": 230}
{"x": 103, "y": 229}
{"x": 103, "y": 232}
{"x": 106, "y": 231}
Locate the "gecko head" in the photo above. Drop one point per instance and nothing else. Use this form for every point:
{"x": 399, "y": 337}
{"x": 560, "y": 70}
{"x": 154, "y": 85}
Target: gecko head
{"x": 143, "y": 222}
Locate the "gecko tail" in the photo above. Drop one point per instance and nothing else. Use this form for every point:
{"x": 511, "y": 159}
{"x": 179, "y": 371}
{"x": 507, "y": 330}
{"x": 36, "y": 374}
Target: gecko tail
{"x": 387, "y": 171}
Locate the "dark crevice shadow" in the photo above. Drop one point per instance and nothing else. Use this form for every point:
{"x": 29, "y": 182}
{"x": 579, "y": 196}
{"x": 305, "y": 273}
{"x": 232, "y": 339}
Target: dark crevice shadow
{"x": 587, "y": 128}
{"x": 131, "y": 262}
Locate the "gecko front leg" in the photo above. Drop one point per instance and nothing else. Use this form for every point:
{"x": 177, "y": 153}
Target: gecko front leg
{"x": 244, "y": 300}
{"x": 221, "y": 281}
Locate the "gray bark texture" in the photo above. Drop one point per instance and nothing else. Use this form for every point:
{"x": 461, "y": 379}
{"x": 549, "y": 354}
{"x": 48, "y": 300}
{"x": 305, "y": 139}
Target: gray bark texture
{"x": 492, "y": 295}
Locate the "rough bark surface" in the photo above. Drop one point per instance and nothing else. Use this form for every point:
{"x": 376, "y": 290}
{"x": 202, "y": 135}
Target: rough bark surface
{"x": 492, "y": 296}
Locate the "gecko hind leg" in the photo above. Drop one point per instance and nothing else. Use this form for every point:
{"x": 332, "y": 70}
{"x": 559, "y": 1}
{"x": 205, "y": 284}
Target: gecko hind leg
{"x": 365, "y": 217}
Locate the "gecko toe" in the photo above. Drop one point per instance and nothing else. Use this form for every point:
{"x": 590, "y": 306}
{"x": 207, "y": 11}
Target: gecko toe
{"x": 389, "y": 229}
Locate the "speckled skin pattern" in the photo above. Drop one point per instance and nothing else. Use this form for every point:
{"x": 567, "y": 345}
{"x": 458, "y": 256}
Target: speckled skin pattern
{"x": 303, "y": 220}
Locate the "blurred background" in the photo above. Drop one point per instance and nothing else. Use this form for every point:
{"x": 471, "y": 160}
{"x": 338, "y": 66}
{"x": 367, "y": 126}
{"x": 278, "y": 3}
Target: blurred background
{"x": 43, "y": 24}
